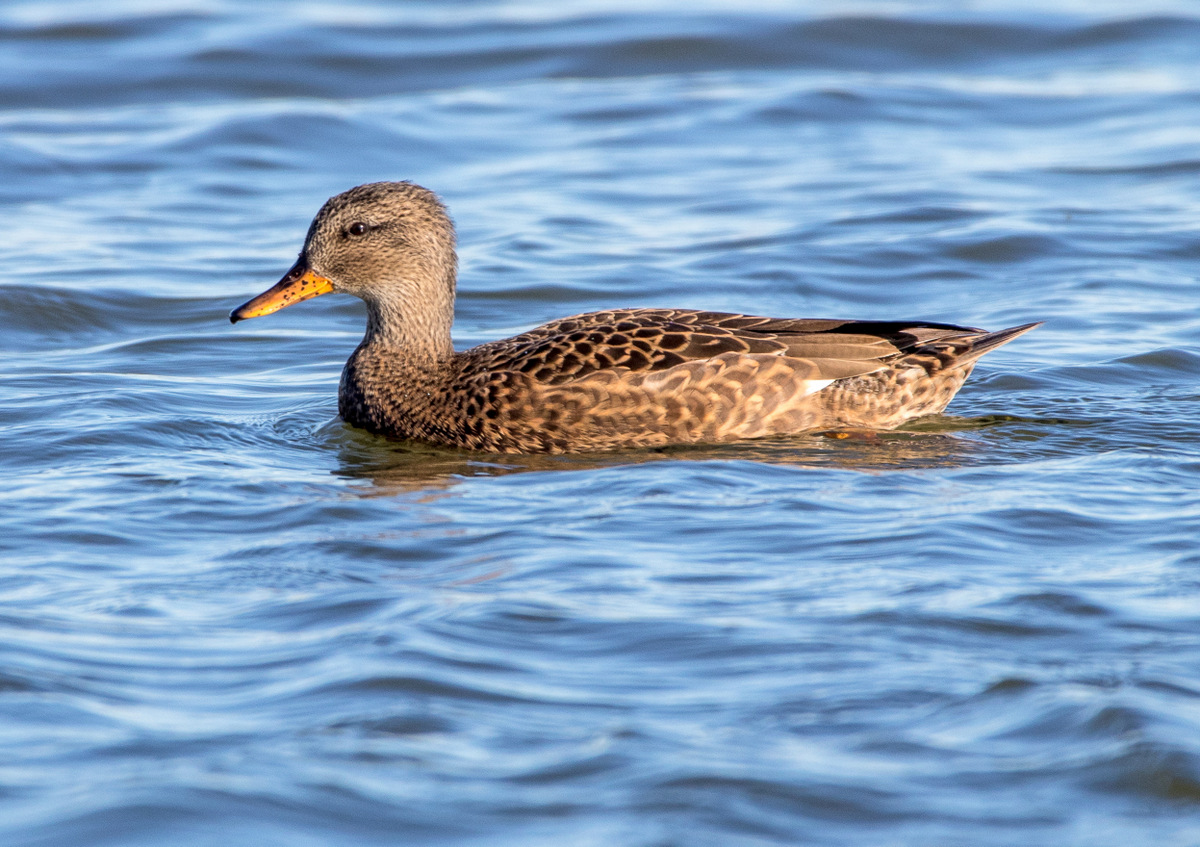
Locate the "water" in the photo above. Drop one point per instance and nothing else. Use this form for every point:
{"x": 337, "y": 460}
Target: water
{"x": 229, "y": 619}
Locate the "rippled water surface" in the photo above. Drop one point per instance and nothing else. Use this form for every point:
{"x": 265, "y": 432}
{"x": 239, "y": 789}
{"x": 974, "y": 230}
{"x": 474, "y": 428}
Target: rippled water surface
{"x": 227, "y": 618}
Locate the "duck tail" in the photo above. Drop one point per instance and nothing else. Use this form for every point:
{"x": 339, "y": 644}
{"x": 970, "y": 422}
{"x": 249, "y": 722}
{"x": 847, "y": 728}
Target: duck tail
{"x": 989, "y": 341}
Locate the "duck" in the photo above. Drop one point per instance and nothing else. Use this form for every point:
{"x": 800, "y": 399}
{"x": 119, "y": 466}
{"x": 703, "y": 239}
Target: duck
{"x": 601, "y": 381}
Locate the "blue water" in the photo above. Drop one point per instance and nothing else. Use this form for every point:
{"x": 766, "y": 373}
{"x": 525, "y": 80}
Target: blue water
{"x": 227, "y": 618}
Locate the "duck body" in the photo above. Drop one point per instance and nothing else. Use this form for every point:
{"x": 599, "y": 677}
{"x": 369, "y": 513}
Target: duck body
{"x": 600, "y": 381}
{"x": 653, "y": 377}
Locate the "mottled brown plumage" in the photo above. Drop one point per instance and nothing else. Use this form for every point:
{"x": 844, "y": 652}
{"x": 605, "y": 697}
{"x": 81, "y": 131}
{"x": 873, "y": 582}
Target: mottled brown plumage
{"x": 604, "y": 380}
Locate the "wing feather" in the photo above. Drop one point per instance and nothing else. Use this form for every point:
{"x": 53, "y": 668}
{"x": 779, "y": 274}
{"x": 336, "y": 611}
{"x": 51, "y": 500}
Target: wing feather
{"x": 649, "y": 340}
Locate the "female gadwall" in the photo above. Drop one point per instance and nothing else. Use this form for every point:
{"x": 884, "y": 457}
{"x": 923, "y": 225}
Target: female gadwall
{"x": 604, "y": 380}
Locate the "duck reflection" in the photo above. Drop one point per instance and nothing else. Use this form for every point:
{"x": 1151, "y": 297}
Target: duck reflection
{"x": 398, "y": 467}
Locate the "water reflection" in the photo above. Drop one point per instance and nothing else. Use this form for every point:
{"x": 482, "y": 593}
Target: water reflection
{"x": 395, "y": 467}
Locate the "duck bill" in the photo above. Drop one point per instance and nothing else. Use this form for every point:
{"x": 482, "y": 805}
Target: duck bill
{"x": 300, "y": 283}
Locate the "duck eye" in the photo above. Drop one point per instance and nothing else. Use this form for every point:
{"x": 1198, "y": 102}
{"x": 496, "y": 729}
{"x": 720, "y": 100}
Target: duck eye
{"x": 357, "y": 228}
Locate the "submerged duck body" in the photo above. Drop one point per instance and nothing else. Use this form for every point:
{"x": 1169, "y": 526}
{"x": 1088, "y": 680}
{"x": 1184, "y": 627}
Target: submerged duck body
{"x": 603, "y": 380}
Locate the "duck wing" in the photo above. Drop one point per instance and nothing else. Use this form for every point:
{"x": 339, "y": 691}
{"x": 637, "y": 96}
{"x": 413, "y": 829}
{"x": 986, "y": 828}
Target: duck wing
{"x": 649, "y": 340}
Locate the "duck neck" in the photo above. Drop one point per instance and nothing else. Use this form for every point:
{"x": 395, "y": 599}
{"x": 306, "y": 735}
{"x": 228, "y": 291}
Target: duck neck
{"x": 421, "y": 334}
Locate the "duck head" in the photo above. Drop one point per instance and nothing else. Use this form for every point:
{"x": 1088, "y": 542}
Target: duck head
{"x": 392, "y": 245}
